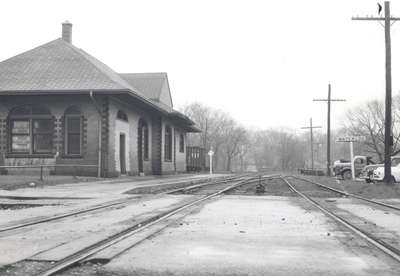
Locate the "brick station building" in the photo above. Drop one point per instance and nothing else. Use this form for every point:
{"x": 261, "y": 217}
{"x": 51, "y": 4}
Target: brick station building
{"x": 59, "y": 105}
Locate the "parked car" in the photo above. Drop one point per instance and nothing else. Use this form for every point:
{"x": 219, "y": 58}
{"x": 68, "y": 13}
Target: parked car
{"x": 342, "y": 168}
{"x": 379, "y": 174}
{"x": 367, "y": 173}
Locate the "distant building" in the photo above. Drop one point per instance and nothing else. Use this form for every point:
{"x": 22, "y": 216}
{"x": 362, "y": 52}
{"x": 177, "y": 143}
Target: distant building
{"x": 59, "y": 105}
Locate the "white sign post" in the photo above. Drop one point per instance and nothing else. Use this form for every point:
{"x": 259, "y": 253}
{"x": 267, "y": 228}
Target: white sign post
{"x": 350, "y": 140}
{"x": 211, "y": 153}
{"x": 353, "y": 173}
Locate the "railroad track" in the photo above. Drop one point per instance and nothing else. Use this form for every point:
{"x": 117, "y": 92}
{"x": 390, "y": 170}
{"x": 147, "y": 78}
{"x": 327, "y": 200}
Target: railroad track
{"x": 347, "y": 194}
{"x": 85, "y": 253}
{"x": 211, "y": 187}
{"x": 112, "y": 204}
{"x": 378, "y": 243}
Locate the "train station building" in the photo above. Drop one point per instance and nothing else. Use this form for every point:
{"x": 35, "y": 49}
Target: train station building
{"x": 61, "y": 106}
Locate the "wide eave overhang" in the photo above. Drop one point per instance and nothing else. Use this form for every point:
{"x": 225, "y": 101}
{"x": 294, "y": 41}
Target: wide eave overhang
{"x": 180, "y": 119}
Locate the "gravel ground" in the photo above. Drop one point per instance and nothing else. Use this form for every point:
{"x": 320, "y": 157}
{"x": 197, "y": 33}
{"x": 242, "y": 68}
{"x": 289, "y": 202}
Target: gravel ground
{"x": 276, "y": 187}
{"x": 24, "y": 268}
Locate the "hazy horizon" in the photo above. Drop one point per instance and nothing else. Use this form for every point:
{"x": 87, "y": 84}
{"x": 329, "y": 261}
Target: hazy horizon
{"x": 262, "y": 62}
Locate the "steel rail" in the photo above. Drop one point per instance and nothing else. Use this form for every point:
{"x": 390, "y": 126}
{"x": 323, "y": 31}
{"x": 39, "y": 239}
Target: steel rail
{"x": 94, "y": 248}
{"x": 98, "y": 207}
{"x": 201, "y": 185}
{"x": 347, "y": 194}
{"x": 386, "y": 248}
{"x": 57, "y": 217}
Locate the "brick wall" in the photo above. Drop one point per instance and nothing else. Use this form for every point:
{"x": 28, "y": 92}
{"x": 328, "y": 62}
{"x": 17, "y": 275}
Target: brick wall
{"x": 57, "y": 106}
{"x": 130, "y": 129}
{"x": 111, "y": 127}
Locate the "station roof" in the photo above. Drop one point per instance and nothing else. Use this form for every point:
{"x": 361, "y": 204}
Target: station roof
{"x": 58, "y": 67}
{"x": 154, "y": 86}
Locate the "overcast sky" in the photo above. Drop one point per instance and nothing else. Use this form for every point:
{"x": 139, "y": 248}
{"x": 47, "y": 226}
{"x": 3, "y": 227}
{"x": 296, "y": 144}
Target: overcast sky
{"x": 261, "y": 61}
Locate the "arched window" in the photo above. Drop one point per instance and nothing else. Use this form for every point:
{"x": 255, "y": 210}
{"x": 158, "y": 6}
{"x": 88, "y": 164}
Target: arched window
{"x": 73, "y": 131}
{"x": 122, "y": 116}
{"x": 168, "y": 144}
{"x": 31, "y": 130}
{"x": 181, "y": 143}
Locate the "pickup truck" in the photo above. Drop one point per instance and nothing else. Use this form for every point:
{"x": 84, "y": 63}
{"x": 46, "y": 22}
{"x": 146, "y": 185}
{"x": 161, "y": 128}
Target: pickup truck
{"x": 342, "y": 168}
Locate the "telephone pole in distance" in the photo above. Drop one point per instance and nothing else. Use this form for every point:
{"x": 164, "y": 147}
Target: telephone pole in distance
{"x": 312, "y": 141}
{"x": 328, "y": 131}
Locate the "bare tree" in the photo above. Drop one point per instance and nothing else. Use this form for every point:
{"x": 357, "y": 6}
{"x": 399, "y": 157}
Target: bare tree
{"x": 278, "y": 149}
{"x": 236, "y": 138}
{"x": 217, "y": 128}
{"x": 235, "y": 146}
{"x": 368, "y": 121}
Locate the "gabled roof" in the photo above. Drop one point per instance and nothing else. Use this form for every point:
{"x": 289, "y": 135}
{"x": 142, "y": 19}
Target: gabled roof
{"x": 154, "y": 86}
{"x": 58, "y": 65}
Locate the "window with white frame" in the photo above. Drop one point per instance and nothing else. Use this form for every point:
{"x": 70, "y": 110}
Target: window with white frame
{"x": 31, "y": 130}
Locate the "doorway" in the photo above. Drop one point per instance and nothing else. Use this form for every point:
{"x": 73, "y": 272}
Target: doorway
{"x": 122, "y": 156}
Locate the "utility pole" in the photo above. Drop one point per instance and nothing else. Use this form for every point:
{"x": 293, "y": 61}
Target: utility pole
{"x": 312, "y": 141}
{"x": 328, "y": 131}
{"x": 388, "y": 97}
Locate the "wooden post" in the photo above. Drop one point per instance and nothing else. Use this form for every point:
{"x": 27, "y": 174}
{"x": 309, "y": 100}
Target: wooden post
{"x": 328, "y": 135}
{"x": 328, "y": 130}
{"x": 311, "y": 142}
{"x": 388, "y": 99}
{"x": 388, "y": 20}
{"x": 353, "y": 169}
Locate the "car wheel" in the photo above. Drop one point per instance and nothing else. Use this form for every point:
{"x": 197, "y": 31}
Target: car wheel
{"x": 347, "y": 175}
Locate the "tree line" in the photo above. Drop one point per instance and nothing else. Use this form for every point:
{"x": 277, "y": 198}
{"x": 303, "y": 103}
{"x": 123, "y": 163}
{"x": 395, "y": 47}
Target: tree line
{"x": 238, "y": 148}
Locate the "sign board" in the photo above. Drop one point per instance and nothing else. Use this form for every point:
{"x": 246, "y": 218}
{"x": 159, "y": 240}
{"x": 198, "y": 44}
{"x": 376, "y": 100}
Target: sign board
{"x": 211, "y": 153}
{"x": 348, "y": 139}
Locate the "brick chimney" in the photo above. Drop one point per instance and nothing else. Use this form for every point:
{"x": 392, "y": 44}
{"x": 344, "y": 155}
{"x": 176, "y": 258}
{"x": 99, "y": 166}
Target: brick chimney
{"x": 67, "y": 31}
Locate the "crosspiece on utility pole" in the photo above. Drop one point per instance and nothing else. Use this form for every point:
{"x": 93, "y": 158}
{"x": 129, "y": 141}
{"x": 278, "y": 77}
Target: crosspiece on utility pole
{"x": 312, "y": 142}
{"x": 388, "y": 20}
{"x": 328, "y": 129}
